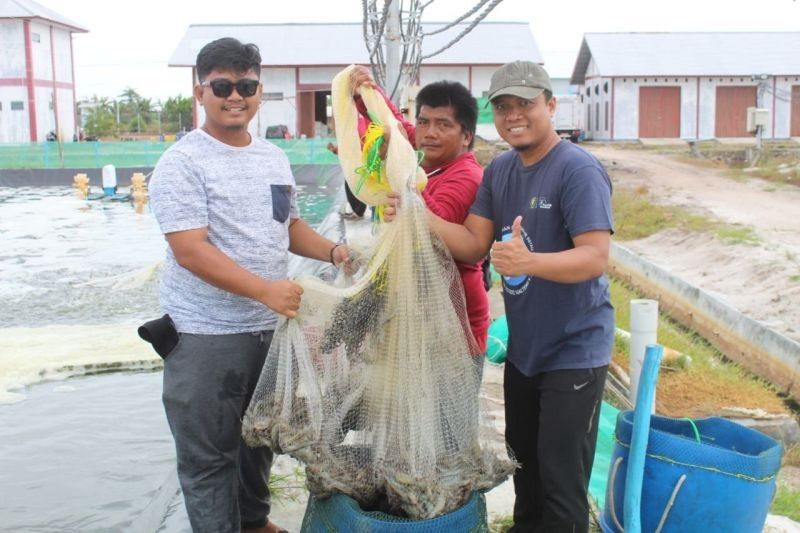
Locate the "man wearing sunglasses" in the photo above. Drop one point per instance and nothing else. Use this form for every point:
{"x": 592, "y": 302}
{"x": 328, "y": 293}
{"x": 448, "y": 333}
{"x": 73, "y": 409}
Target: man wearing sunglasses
{"x": 227, "y": 205}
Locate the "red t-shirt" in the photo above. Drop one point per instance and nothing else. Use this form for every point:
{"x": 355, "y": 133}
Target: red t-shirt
{"x": 450, "y": 191}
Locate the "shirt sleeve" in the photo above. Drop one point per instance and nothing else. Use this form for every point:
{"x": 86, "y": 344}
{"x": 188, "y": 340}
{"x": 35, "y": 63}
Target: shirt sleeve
{"x": 453, "y": 197}
{"x": 177, "y": 195}
{"x": 586, "y": 201}
{"x": 482, "y": 206}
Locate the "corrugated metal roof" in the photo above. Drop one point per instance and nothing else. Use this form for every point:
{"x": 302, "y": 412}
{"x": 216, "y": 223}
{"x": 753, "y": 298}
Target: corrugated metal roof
{"x": 490, "y": 43}
{"x": 689, "y": 54}
{"x": 23, "y": 9}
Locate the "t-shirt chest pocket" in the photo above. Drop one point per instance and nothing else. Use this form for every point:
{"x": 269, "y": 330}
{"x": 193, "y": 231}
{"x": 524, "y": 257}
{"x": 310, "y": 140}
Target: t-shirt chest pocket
{"x": 281, "y": 200}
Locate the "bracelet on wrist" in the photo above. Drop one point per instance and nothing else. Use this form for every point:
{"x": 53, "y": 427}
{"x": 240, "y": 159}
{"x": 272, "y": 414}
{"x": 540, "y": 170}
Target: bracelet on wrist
{"x": 335, "y": 246}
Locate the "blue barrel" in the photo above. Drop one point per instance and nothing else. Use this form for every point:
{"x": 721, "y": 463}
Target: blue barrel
{"x": 342, "y": 513}
{"x": 705, "y": 475}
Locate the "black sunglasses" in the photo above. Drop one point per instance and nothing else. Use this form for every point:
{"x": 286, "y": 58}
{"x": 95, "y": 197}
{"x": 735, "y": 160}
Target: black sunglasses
{"x": 223, "y": 88}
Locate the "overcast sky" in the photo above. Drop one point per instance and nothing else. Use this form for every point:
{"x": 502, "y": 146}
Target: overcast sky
{"x": 129, "y": 43}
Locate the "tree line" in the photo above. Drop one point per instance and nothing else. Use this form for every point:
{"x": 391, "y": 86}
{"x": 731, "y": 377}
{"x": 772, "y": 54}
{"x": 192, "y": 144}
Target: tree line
{"x": 133, "y": 114}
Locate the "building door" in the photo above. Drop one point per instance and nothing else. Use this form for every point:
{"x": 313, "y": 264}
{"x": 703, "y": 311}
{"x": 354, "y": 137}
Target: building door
{"x": 659, "y": 112}
{"x": 305, "y": 113}
{"x": 795, "y": 113}
{"x": 731, "y": 112}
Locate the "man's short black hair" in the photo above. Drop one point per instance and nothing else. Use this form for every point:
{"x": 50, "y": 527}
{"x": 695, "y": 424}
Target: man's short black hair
{"x": 228, "y": 54}
{"x": 452, "y": 93}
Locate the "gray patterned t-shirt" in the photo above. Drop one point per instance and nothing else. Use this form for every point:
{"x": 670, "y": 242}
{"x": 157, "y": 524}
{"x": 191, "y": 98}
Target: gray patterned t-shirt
{"x": 246, "y": 197}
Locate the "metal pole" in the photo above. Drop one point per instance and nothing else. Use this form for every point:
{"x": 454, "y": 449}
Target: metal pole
{"x": 759, "y": 105}
{"x": 393, "y": 51}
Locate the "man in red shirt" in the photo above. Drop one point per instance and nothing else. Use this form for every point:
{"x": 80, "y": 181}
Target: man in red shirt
{"x": 446, "y": 117}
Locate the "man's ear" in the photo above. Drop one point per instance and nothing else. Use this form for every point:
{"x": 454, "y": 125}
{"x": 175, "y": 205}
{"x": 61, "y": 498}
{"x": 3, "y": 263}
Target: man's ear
{"x": 198, "y": 93}
{"x": 551, "y": 106}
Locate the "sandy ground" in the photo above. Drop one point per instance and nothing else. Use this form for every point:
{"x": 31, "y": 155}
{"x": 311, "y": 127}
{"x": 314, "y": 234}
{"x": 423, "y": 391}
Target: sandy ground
{"x": 760, "y": 280}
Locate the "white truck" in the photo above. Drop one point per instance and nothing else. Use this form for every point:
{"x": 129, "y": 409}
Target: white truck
{"x": 568, "y": 119}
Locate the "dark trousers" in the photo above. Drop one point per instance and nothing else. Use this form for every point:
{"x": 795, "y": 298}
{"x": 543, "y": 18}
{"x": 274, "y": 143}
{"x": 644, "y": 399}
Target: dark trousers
{"x": 551, "y": 426}
{"x": 208, "y": 383}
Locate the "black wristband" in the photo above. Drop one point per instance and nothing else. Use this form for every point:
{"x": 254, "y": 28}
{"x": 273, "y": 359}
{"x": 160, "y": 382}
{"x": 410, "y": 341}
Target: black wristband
{"x": 335, "y": 246}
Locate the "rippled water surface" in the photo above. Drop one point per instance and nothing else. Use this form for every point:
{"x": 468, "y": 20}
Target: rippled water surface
{"x": 92, "y": 452}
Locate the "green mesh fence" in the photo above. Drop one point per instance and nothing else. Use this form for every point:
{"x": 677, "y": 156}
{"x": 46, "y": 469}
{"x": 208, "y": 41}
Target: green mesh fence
{"x": 135, "y": 153}
{"x": 484, "y": 111}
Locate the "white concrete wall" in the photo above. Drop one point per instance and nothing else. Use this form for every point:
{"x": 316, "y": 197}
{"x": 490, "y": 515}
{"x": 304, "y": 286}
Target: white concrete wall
{"x": 12, "y": 49}
{"x": 430, "y": 74}
{"x": 66, "y": 114}
{"x": 273, "y": 113}
{"x": 781, "y": 103}
{"x": 481, "y": 79}
{"x": 318, "y": 75}
{"x": 596, "y": 93}
{"x": 62, "y": 41}
{"x": 42, "y": 64}
{"x": 45, "y": 114}
{"x": 14, "y": 126}
{"x": 626, "y": 105}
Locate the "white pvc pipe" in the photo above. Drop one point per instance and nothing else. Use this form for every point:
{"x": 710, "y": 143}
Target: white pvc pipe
{"x": 644, "y": 325}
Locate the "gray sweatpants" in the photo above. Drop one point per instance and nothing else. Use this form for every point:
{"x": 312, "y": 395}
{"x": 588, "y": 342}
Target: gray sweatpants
{"x": 208, "y": 383}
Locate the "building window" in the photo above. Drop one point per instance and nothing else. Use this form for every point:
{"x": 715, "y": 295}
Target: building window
{"x": 272, "y": 96}
{"x": 18, "y": 105}
{"x": 597, "y": 115}
{"x": 36, "y": 38}
{"x": 589, "y": 117}
{"x": 606, "y": 117}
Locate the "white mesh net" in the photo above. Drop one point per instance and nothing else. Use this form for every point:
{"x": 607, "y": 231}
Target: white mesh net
{"x": 374, "y": 386}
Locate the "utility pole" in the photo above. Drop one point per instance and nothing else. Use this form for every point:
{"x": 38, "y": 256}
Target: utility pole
{"x": 393, "y": 83}
{"x": 762, "y": 86}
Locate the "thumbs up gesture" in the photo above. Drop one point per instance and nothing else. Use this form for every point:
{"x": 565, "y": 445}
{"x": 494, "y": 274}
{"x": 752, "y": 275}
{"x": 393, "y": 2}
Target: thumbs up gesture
{"x": 511, "y": 257}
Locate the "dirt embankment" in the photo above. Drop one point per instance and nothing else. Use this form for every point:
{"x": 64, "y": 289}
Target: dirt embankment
{"x": 761, "y": 279}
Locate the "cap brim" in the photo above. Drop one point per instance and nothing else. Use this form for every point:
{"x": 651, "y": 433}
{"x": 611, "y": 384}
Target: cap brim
{"x": 529, "y": 93}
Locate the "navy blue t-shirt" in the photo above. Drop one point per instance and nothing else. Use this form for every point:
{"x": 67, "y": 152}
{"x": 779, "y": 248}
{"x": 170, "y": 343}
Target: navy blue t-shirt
{"x": 551, "y": 325}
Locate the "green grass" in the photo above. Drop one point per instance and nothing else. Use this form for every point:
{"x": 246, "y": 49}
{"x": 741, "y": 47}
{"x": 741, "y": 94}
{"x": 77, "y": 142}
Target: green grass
{"x": 670, "y": 333}
{"x": 636, "y": 216}
{"x": 736, "y": 234}
{"x": 501, "y": 525}
{"x": 285, "y": 487}
{"x": 786, "y": 502}
{"x": 780, "y": 169}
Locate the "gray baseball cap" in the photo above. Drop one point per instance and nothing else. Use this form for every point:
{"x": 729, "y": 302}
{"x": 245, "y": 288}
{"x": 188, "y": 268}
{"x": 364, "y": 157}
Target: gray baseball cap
{"x": 525, "y": 79}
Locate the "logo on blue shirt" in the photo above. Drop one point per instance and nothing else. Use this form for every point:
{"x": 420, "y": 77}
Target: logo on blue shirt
{"x": 516, "y": 284}
{"x": 539, "y": 202}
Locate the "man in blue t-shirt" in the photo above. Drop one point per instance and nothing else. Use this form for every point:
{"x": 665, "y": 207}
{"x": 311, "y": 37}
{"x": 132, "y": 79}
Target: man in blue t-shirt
{"x": 544, "y": 209}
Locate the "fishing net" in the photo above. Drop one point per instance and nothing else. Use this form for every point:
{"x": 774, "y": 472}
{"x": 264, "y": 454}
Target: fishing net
{"x": 374, "y": 385}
